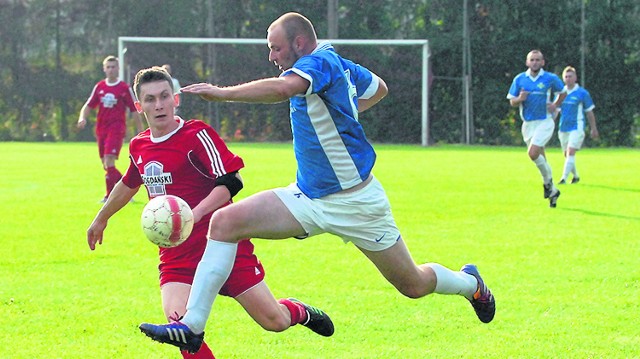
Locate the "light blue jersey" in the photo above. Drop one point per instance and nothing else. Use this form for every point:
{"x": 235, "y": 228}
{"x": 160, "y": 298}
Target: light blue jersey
{"x": 573, "y": 108}
{"x": 534, "y": 108}
{"x": 330, "y": 146}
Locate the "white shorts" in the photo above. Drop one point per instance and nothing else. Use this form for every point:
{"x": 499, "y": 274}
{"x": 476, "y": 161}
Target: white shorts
{"x": 537, "y": 132}
{"x": 573, "y": 139}
{"x": 362, "y": 217}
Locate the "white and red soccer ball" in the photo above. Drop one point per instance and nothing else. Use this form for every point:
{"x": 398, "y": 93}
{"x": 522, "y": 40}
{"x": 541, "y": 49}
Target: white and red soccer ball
{"x": 167, "y": 221}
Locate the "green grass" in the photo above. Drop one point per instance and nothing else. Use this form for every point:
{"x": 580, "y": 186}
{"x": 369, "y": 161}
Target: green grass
{"x": 566, "y": 280}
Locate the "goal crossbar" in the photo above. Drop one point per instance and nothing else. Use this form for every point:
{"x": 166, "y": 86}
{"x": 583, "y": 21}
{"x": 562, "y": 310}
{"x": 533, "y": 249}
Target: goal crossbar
{"x": 231, "y": 41}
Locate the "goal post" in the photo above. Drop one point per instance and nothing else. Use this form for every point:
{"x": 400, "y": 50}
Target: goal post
{"x": 123, "y": 40}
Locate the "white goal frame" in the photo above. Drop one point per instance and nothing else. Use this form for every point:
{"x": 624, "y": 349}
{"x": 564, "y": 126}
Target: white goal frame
{"x": 122, "y": 40}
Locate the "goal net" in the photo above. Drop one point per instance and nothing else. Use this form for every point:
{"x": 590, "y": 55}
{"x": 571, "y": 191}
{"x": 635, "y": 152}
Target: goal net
{"x": 402, "y": 117}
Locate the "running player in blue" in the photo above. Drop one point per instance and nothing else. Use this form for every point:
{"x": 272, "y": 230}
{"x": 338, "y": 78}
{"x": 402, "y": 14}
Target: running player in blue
{"x": 571, "y": 129}
{"x": 335, "y": 191}
{"x": 532, "y": 92}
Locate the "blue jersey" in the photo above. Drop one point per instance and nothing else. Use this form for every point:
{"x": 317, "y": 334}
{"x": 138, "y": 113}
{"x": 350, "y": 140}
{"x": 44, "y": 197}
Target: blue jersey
{"x": 540, "y": 89}
{"x": 573, "y": 108}
{"x": 329, "y": 143}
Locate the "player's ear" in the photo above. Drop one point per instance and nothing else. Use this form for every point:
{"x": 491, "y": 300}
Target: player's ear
{"x": 176, "y": 99}
{"x": 138, "y": 106}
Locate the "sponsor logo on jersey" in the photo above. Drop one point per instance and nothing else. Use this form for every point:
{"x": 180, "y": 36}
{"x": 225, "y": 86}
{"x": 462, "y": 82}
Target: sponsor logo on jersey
{"x": 109, "y": 100}
{"x": 155, "y": 179}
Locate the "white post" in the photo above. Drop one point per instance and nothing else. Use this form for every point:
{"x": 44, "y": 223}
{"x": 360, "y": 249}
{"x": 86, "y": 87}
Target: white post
{"x": 121, "y": 58}
{"x": 425, "y": 95}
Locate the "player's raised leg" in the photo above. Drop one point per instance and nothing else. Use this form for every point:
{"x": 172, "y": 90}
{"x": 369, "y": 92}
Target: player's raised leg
{"x": 415, "y": 281}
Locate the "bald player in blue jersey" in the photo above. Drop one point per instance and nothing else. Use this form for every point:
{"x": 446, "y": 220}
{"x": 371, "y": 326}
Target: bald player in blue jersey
{"x": 335, "y": 191}
{"x": 575, "y": 107}
{"x": 532, "y": 92}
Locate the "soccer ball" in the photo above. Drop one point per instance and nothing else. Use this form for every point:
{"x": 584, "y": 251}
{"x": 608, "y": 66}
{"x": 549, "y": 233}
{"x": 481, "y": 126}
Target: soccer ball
{"x": 167, "y": 221}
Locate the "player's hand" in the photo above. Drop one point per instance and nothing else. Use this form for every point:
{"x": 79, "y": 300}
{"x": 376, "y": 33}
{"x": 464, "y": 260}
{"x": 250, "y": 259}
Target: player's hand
{"x": 94, "y": 234}
{"x": 81, "y": 123}
{"x": 523, "y": 95}
{"x": 595, "y": 134}
{"x": 551, "y": 107}
{"x": 207, "y": 91}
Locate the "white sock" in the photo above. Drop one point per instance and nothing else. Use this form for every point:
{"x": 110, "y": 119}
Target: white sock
{"x": 450, "y": 282}
{"x": 574, "y": 170}
{"x": 544, "y": 168}
{"x": 212, "y": 272}
{"x": 569, "y": 166}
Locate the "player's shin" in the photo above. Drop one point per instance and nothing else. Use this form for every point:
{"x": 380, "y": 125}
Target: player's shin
{"x": 453, "y": 282}
{"x": 569, "y": 164}
{"x": 212, "y": 272}
{"x": 544, "y": 168}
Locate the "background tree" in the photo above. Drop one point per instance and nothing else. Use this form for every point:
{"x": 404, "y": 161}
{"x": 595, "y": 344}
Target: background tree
{"x": 51, "y": 53}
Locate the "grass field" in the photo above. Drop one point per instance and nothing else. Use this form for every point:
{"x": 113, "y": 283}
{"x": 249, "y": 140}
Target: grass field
{"x": 566, "y": 280}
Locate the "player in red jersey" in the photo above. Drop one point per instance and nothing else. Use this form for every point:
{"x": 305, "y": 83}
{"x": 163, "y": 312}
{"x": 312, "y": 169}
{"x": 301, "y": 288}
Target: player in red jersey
{"x": 112, "y": 97}
{"x": 188, "y": 159}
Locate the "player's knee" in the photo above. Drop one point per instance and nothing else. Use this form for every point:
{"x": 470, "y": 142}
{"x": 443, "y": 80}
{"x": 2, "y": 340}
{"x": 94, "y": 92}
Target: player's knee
{"x": 222, "y": 225}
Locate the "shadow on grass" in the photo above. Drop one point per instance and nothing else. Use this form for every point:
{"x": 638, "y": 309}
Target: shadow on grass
{"x": 601, "y": 214}
{"x": 613, "y": 188}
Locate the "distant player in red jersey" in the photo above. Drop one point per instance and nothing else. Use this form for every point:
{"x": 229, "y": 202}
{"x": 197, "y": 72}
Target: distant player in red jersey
{"x": 188, "y": 159}
{"x": 112, "y": 97}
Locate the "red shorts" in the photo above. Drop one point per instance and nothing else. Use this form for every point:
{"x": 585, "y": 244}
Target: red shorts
{"x": 110, "y": 142}
{"x": 179, "y": 264}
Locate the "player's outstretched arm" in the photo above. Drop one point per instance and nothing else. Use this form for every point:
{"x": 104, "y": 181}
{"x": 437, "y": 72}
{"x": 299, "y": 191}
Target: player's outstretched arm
{"x": 268, "y": 90}
{"x": 119, "y": 197}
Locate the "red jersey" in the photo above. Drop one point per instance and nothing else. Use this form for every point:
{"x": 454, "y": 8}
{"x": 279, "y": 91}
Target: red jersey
{"x": 184, "y": 163}
{"x": 112, "y": 101}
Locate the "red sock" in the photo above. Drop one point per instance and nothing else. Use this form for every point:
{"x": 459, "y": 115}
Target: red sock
{"x": 203, "y": 353}
{"x": 111, "y": 178}
{"x": 298, "y": 313}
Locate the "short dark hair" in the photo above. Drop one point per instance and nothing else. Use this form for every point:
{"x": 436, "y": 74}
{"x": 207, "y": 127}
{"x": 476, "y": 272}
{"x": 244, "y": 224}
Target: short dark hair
{"x": 151, "y": 74}
{"x": 295, "y": 24}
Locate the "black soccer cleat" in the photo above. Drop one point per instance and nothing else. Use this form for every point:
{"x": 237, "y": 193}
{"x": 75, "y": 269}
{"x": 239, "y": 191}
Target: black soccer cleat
{"x": 483, "y": 301}
{"x": 575, "y": 180}
{"x": 547, "y": 189}
{"x": 553, "y": 199}
{"x": 174, "y": 333}
{"x": 317, "y": 320}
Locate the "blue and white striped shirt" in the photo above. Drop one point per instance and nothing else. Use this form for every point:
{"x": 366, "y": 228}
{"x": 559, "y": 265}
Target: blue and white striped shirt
{"x": 330, "y": 145}
{"x": 534, "y": 108}
{"x": 573, "y": 108}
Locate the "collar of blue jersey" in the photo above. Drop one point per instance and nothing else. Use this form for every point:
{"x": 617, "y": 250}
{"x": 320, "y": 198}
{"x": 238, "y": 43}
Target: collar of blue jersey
{"x": 323, "y": 46}
{"x": 528, "y": 73}
{"x": 575, "y": 88}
